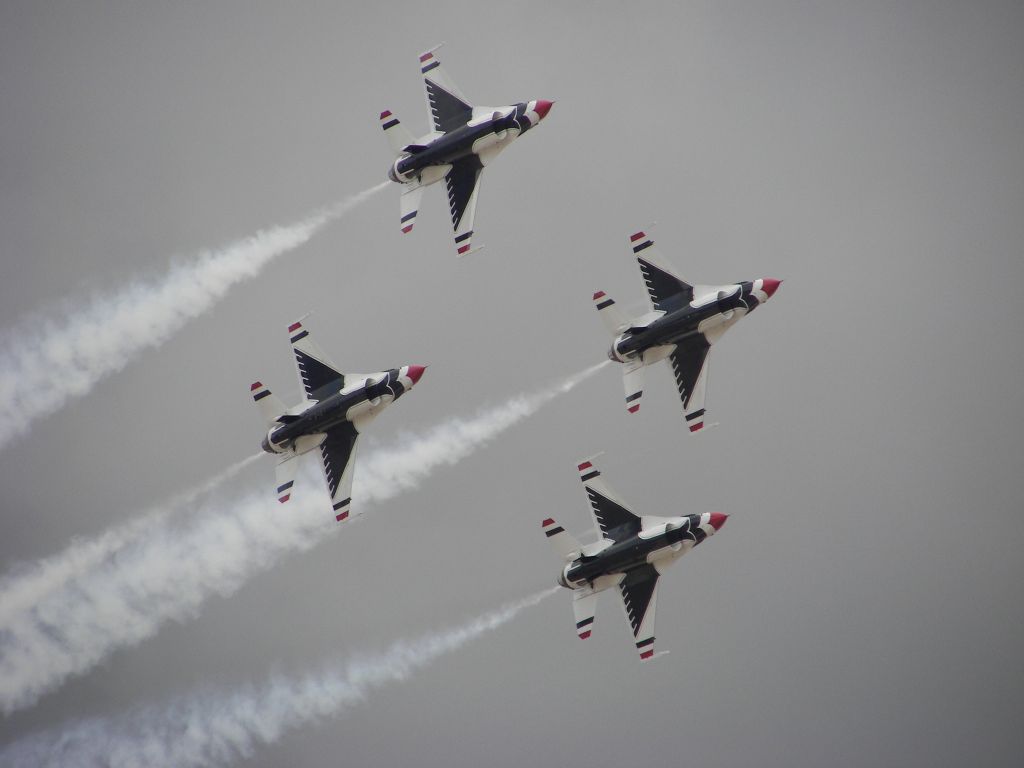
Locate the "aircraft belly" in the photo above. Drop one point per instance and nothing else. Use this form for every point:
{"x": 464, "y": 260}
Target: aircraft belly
{"x": 307, "y": 443}
{"x": 434, "y": 174}
{"x": 616, "y": 560}
{"x": 672, "y": 331}
{"x": 608, "y": 581}
{"x": 663, "y": 558}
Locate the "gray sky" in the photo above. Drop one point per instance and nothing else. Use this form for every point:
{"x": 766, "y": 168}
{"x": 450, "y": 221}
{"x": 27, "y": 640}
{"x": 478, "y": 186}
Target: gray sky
{"x": 863, "y": 605}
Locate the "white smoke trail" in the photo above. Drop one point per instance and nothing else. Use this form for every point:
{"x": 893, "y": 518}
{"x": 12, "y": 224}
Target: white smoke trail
{"x": 169, "y": 571}
{"x": 44, "y": 363}
{"x": 223, "y": 727}
{"x": 28, "y": 584}
{"x": 447, "y": 444}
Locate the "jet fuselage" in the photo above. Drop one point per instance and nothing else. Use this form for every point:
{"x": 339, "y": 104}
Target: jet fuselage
{"x": 336, "y": 408}
{"x": 501, "y": 127}
{"x": 679, "y": 535}
{"x": 685, "y": 321}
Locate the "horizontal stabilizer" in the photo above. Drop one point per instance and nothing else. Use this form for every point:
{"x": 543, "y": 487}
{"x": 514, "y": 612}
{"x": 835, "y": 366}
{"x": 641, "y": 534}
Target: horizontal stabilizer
{"x": 414, "y": 149}
{"x": 409, "y": 205}
{"x": 398, "y": 135}
{"x": 271, "y": 408}
{"x": 285, "y": 472}
{"x": 584, "y": 606}
{"x": 611, "y": 316}
{"x": 633, "y": 382}
{"x": 565, "y": 544}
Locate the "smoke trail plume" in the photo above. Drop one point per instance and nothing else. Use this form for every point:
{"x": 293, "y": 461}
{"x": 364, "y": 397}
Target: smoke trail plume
{"x": 168, "y": 571}
{"x": 44, "y": 363}
{"x": 28, "y": 584}
{"x": 220, "y": 728}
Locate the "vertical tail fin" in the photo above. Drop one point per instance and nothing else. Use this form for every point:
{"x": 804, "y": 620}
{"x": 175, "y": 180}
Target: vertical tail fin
{"x": 398, "y": 135}
{"x": 268, "y": 403}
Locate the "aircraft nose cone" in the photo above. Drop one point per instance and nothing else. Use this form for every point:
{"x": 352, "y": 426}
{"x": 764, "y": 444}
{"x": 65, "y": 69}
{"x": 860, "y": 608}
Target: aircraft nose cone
{"x": 542, "y": 107}
{"x": 415, "y": 371}
{"x": 770, "y": 285}
{"x": 718, "y": 520}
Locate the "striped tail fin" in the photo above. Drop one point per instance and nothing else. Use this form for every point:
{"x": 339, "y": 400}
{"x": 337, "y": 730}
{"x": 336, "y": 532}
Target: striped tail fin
{"x": 271, "y": 408}
{"x": 564, "y": 543}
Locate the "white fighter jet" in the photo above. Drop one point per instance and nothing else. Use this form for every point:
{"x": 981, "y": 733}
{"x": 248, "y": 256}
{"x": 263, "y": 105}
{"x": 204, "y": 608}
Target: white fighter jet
{"x": 338, "y": 406}
{"x": 464, "y": 139}
{"x": 631, "y": 553}
{"x": 684, "y": 321}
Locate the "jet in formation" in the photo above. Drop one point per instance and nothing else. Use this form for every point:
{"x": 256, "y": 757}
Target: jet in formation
{"x": 631, "y": 554}
{"x": 684, "y": 321}
{"x": 464, "y": 139}
{"x": 337, "y": 408}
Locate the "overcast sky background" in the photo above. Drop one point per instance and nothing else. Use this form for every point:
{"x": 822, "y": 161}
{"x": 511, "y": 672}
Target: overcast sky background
{"x": 863, "y": 605}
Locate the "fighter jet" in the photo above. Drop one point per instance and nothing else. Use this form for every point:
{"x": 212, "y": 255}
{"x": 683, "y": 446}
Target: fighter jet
{"x": 464, "y": 139}
{"x": 337, "y": 408}
{"x": 631, "y": 554}
{"x": 684, "y": 321}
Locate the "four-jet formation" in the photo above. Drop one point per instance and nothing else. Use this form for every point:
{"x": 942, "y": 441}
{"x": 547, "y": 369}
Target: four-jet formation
{"x": 684, "y": 321}
{"x": 338, "y": 406}
{"x": 631, "y": 554}
{"x": 464, "y": 139}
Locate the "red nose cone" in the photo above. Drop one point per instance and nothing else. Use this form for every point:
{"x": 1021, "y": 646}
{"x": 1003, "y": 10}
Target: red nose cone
{"x": 542, "y": 107}
{"x": 718, "y": 520}
{"x": 415, "y": 371}
{"x": 770, "y": 285}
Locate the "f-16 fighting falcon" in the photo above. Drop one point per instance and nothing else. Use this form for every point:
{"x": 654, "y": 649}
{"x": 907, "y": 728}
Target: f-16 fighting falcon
{"x": 337, "y": 408}
{"x": 631, "y": 554}
{"x": 684, "y": 321}
{"x": 464, "y": 139}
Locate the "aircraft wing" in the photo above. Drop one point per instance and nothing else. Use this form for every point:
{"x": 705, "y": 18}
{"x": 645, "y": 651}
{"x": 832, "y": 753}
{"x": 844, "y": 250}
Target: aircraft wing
{"x": 338, "y": 451}
{"x": 666, "y": 289}
{"x": 316, "y": 371}
{"x": 448, "y": 108}
{"x": 611, "y": 516}
{"x": 690, "y": 365}
{"x": 463, "y": 187}
{"x": 639, "y": 595}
